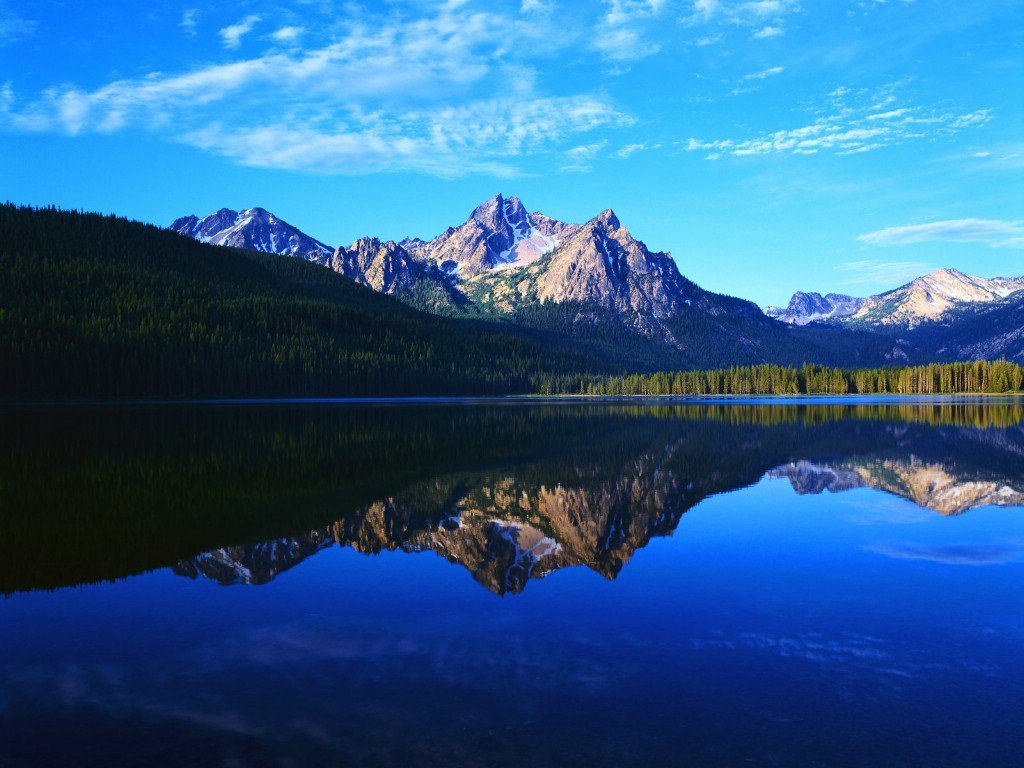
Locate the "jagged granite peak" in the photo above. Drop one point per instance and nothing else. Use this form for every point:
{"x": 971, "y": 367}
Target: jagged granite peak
{"x": 253, "y": 228}
{"x": 498, "y": 234}
{"x": 804, "y": 308}
{"x": 603, "y": 263}
{"x": 599, "y": 264}
{"x": 385, "y": 267}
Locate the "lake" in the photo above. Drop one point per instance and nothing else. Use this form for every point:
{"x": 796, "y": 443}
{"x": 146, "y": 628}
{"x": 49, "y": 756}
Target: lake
{"x": 652, "y": 583}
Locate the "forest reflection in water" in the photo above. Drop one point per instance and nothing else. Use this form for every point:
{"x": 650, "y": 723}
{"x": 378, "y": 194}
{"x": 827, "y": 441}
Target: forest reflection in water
{"x": 511, "y": 491}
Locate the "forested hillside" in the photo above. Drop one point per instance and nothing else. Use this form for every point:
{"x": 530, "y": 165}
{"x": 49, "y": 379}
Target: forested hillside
{"x": 98, "y": 307}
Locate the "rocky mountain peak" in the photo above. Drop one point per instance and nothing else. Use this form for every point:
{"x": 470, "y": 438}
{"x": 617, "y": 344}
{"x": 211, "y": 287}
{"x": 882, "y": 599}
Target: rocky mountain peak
{"x": 498, "y": 234}
{"x": 253, "y": 228}
{"x": 608, "y": 219}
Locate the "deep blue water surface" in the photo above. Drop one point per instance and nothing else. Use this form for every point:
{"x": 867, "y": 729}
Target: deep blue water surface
{"x": 643, "y": 587}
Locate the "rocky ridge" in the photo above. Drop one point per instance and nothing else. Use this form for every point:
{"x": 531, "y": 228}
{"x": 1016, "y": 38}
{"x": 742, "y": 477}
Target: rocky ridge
{"x": 384, "y": 267}
{"x": 501, "y": 258}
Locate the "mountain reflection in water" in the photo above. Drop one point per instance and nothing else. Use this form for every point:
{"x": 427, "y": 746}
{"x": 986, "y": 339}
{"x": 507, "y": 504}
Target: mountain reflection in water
{"x": 241, "y": 493}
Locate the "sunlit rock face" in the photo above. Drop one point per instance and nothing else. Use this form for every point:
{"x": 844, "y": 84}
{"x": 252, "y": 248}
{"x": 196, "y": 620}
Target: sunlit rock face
{"x": 599, "y": 264}
{"x": 384, "y": 267}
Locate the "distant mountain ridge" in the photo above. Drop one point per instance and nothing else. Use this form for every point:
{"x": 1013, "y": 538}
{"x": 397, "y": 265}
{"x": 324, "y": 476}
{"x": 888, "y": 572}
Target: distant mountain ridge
{"x": 930, "y": 297}
{"x": 924, "y": 299}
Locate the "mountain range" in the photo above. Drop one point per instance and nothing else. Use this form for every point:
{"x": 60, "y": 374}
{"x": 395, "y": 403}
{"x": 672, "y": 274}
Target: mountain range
{"x": 500, "y": 259}
{"x": 597, "y": 284}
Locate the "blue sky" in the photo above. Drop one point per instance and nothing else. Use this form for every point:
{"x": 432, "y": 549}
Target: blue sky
{"x": 770, "y": 145}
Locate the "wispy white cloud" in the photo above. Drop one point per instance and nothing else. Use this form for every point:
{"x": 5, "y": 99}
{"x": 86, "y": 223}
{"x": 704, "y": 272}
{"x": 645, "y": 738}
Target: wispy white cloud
{"x": 579, "y": 157}
{"x": 764, "y": 73}
{"x": 868, "y": 272}
{"x": 189, "y": 22}
{"x": 994, "y": 232}
{"x": 480, "y": 137}
{"x": 853, "y": 123}
{"x": 630, "y": 149}
{"x": 620, "y": 34}
{"x": 703, "y": 42}
{"x": 534, "y": 6}
{"x": 385, "y": 95}
{"x": 953, "y": 554}
{"x": 760, "y": 14}
{"x": 15, "y": 28}
{"x": 287, "y": 34}
{"x": 232, "y": 35}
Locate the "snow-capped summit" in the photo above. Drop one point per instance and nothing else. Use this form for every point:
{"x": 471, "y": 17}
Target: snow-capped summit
{"x": 929, "y": 297}
{"x": 254, "y": 228}
{"x": 499, "y": 234}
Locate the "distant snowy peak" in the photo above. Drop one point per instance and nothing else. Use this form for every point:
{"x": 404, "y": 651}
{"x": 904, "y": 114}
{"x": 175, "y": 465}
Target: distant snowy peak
{"x": 254, "y": 228}
{"x": 923, "y": 299}
{"x": 932, "y": 296}
{"x": 804, "y": 308}
{"x": 499, "y": 234}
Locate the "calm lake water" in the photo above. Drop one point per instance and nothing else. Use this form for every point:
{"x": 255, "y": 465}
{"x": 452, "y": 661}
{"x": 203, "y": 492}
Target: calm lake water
{"x": 517, "y": 584}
